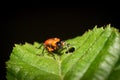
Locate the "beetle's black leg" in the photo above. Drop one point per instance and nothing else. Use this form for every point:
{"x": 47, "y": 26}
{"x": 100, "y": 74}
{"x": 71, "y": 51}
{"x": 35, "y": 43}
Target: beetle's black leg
{"x": 53, "y": 56}
{"x": 42, "y": 53}
{"x": 40, "y": 46}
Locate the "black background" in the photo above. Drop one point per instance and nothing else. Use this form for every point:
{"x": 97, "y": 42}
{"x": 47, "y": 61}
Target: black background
{"x": 20, "y": 24}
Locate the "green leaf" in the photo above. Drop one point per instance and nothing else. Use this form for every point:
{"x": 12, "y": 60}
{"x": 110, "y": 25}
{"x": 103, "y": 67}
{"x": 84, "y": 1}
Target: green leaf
{"x": 96, "y": 57}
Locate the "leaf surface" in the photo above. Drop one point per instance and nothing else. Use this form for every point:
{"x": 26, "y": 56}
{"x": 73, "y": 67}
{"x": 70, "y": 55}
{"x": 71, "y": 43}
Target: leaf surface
{"x": 96, "y": 57}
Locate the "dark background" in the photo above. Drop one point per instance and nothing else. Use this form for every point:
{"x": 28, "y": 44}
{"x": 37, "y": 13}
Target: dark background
{"x": 20, "y": 24}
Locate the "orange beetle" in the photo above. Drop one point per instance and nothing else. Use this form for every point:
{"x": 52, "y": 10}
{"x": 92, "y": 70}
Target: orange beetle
{"x": 53, "y": 44}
